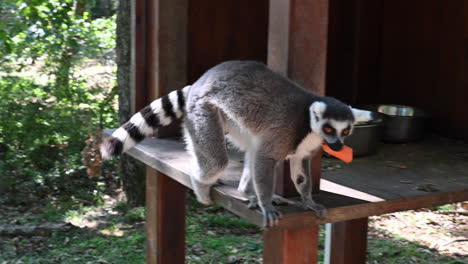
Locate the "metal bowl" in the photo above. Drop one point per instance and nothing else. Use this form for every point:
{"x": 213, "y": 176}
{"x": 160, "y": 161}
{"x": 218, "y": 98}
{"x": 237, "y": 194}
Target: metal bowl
{"x": 365, "y": 138}
{"x": 402, "y": 123}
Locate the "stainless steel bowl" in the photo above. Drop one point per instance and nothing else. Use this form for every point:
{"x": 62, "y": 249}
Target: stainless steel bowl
{"x": 402, "y": 123}
{"x": 365, "y": 138}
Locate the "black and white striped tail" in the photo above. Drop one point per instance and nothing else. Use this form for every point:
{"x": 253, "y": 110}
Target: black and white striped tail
{"x": 161, "y": 112}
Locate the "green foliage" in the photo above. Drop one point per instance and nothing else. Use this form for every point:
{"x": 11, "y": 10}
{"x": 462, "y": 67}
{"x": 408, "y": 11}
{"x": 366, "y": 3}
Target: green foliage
{"x": 42, "y": 137}
{"x": 136, "y": 214}
{"x": 81, "y": 246}
{"x": 122, "y": 206}
{"x": 48, "y": 107}
{"x": 445, "y": 207}
{"x": 53, "y": 29}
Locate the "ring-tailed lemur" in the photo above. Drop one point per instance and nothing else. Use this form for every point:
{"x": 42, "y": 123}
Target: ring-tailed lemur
{"x": 261, "y": 112}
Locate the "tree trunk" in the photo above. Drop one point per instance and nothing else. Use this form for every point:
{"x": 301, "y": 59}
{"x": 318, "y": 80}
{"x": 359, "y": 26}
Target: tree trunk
{"x": 133, "y": 172}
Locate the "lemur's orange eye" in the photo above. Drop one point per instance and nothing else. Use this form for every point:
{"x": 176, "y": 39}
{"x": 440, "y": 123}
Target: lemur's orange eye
{"x": 346, "y": 132}
{"x": 328, "y": 130}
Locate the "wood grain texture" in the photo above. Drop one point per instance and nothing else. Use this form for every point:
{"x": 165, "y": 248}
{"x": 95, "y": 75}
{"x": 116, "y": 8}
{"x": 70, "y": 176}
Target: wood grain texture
{"x": 369, "y": 176}
{"x": 308, "y": 43}
{"x": 396, "y": 52}
{"x": 141, "y": 88}
{"x": 166, "y": 46}
{"x": 225, "y": 30}
{"x": 348, "y": 243}
{"x": 165, "y": 53}
{"x": 165, "y": 223}
{"x": 296, "y": 245}
{"x": 278, "y": 36}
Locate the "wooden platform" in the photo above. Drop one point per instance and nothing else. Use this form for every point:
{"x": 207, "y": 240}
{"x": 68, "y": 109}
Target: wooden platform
{"x": 400, "y": 177}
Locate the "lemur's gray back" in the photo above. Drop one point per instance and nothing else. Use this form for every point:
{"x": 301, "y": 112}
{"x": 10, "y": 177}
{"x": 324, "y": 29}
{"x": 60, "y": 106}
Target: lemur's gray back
{"x": 266, "y": 96}
{"x": 262, "y": 100}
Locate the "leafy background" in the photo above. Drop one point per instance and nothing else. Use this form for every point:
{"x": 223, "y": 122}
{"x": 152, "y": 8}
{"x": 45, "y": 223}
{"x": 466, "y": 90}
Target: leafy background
{"x": 60, "y": 204}
{"x": 50, "y": 105}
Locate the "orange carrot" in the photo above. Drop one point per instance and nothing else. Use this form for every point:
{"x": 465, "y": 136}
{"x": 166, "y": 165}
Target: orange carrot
{"x": 345, "y": 154}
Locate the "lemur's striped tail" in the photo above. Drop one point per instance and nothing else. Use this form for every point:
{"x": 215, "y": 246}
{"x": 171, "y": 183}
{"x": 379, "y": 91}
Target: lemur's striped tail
{"x": 161, "y": 112}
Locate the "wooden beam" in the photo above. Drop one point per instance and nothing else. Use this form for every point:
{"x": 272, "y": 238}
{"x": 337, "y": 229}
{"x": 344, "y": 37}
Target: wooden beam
{"x": 308, "y": 43}
{"x": 170, "y": 157}
{"x": 166, "y": 46}
{"x": 140, "y": 91}
{"x": 165, "y": 220}
{"x": 297, "y": 48}
{"x": 278, "y": 35}
{"x": 298, "y": 245}
{"x": 346, "y": 242}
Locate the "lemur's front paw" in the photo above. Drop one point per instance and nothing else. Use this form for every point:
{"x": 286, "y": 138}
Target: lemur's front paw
{"x": 318, "y": 208}
{"x": 271, "y": 216}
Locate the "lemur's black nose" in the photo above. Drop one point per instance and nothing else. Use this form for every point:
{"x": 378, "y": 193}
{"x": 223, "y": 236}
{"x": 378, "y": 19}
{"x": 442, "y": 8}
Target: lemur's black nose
{"x": 336, "y": 146}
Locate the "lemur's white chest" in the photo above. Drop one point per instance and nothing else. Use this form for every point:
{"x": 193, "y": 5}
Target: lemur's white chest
{"x": 310, "y": 143}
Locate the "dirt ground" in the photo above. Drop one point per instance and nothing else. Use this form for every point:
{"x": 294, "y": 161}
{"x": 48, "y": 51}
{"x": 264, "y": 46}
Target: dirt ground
{"x": 441, "y": 231}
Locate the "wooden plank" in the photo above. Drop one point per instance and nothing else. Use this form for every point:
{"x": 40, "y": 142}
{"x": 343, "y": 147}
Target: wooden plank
{"x": 166, "y": 51}
{"x": 297, "y": 245}
{"x": 360, "y": 210}
{"x": 308, "y": 43}
{"x": 169, "y": 157}
{"x": 278, "y": 35}
{"x": 165, "y": 222}
{"x": 166, "y": 46}
{"x": 141, "y": 89}
{"x": 401, "y": 171}
{"x": 347, "y": 243}
{"x": 225, "y": 30}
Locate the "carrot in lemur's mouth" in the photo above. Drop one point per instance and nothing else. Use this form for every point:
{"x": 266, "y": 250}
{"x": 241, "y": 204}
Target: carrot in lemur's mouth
{"x": 345, "y": 154}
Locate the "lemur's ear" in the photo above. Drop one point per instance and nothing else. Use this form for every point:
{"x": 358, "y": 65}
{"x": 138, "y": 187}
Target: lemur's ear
{"x": 317, "y": 109}
{"x": 362, "y": 115}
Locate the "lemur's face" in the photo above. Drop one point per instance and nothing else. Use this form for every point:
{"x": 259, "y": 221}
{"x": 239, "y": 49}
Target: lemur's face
{"x": 334, "y": 132}
{"x": 335, "y": 122}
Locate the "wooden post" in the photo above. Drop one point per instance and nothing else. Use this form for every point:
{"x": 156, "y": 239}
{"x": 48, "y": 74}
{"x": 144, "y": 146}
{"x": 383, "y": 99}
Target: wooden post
{"x": 346, "y": 242}
{"x": 161, "y": 55}
{"x": 165, "y": 220}
{"x": 297, "y": 48}
{"x": 283, "y": 246}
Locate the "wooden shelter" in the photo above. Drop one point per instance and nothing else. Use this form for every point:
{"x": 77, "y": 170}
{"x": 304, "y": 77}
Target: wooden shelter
{"x": 360, "y": 51}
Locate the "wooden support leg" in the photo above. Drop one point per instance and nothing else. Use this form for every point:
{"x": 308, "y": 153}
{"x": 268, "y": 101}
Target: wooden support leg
{"x": 346, "y": 242}
{"x": 165, "y": 221}
{"x": 299, "y": 245}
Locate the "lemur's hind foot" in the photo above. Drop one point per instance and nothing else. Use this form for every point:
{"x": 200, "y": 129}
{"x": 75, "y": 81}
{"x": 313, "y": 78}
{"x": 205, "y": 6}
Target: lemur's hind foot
{"x": 202, "y": 191}
{"x": 271, "y": 216}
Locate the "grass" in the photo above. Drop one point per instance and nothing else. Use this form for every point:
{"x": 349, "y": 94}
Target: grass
{"x": 399, "y": 251}
{"x": 113, "y": 232}
{"x": 77, "y": 246}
